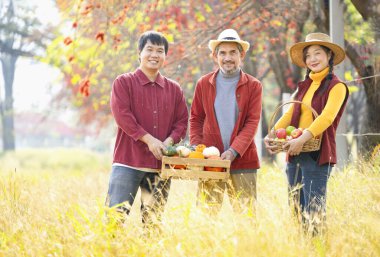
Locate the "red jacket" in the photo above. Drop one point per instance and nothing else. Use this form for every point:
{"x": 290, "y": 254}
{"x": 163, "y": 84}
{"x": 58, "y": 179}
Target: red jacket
{"x": 327, "y": 153}
{"x": 204, "y": 126}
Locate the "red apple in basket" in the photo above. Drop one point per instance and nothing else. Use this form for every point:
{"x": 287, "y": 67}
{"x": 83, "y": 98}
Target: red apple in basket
{"x": 281, "y": 133}
{"x": 296, "y": 133}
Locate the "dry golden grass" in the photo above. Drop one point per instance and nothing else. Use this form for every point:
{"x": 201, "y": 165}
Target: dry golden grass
{"x": 52, "y": 204}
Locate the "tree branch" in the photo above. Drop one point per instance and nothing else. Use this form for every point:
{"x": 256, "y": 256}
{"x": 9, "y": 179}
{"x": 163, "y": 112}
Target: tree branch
{"x": 362, "y": 6}
{"x": 14, "y": 52}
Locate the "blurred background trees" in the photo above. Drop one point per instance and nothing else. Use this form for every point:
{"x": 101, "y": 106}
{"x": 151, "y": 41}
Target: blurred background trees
{"x": 21, "y": 35}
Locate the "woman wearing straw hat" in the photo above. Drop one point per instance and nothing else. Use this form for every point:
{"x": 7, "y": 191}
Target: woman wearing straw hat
{"x": 324, "y": 92}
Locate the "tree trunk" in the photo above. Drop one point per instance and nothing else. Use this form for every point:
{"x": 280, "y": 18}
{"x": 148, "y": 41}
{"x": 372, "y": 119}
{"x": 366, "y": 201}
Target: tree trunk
{"x": 8, "y": 65}
{"x": 373, "y": 91}
{"x": 371, "y": 12}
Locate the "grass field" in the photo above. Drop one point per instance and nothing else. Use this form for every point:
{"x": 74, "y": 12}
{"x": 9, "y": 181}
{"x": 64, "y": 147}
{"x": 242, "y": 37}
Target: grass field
{"x": 52, "y": 204}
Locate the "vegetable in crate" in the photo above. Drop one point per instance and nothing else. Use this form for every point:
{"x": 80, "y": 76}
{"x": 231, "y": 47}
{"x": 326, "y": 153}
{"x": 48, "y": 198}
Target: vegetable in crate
{"x": 183, "y": 151}
{"x": 217, "y": 169}
{"x": 170, "y": 151}
{"x": 211, "y": 151}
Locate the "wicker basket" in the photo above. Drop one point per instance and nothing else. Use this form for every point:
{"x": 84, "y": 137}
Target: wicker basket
{"x": 312, "y": 145}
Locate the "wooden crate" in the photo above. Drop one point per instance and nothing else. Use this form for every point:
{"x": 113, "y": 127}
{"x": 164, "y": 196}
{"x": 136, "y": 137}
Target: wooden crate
{"x": 168, "y": 169}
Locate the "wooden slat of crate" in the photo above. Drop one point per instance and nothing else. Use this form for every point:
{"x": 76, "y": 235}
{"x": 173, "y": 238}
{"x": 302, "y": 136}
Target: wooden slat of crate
{"x": 168, "y": 171}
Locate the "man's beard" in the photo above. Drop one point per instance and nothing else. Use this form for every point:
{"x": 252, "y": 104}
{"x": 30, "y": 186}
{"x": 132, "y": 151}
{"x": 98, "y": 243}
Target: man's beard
{"x": 229, "y": 72}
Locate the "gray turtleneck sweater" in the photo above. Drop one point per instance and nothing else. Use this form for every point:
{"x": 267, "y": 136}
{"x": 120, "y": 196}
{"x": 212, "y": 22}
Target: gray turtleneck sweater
{"x": 225, "y": 105}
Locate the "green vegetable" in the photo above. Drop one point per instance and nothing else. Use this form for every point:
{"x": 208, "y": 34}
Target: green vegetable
{"x": 170, "y": 151}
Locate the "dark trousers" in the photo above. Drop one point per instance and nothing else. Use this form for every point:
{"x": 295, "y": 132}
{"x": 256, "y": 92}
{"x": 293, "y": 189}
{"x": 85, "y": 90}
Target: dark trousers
{"x": 307, "y": 189}
{"x": 124, "y": 184}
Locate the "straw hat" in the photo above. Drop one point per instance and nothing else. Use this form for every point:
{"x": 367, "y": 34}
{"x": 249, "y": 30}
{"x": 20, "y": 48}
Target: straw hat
{"x": 296, "y": 51}
{"x": 228, "y": 35}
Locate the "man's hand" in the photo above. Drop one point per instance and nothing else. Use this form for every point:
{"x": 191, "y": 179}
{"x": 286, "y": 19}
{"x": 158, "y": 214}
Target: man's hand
{"x": 168, "y": 142}
{"x": 155, "y": 146}
{"x": 228, "y": 155}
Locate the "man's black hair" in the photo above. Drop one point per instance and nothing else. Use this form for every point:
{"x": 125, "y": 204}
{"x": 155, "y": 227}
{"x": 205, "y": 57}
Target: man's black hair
{"x": 155, "y": 38}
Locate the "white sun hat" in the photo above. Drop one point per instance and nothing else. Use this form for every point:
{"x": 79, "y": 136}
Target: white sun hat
{"x": 228, "y": 35}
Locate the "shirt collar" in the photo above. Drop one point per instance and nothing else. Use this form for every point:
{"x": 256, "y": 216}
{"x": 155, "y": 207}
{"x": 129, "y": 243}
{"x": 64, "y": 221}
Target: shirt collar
{"x": 319, "y": 76}
{"x": 144, "y": 80}
{"x": 242, "y": 80}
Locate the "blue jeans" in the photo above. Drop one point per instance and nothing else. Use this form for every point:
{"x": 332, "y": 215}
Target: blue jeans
{"x": 307, "y": 185}
{"x": 124, "y": 184}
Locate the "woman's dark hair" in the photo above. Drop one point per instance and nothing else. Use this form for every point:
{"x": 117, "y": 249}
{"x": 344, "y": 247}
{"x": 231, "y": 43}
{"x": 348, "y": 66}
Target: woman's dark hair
{"x": 155, "y": 38}
{"x": 331, "y": 66}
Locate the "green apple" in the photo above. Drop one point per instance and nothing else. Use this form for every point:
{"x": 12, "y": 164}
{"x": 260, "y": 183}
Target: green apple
{"x": 289, "y": 130}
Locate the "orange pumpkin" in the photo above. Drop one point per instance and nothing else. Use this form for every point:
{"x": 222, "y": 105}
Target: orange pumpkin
{"x": 217, "y": 169}
{"x": 178, "y": 166}
{"x": 200, "y": 148}
{"x": 196, "y": 155}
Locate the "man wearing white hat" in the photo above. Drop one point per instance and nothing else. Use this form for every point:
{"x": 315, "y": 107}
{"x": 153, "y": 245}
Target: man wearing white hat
{"x": 225, "y": 113}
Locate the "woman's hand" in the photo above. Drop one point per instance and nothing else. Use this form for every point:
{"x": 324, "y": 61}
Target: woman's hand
{"x": 269, "y": 138}
{"x": 295, "y": 145}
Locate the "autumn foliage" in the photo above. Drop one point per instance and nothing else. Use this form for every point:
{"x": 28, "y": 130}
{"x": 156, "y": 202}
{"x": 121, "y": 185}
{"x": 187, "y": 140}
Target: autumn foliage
{"x": 102, "y": 41}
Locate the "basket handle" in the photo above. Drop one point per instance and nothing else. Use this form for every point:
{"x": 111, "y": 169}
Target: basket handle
{"x": 278, "y": 108}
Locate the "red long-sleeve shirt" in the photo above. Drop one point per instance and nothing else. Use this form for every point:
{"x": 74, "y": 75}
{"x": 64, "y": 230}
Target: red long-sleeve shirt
{"x": 140, "y": 106}
{"x": 204, "y": 127}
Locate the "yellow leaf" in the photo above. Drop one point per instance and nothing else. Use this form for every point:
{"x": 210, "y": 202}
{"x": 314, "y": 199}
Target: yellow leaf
{"x": 95, "y": 105}
{"x": 276, "y": 23}
{"x": 195, "y": 70}
{"x": 353, "y": 89}
{"x": 172, "y": 26}
{"x": 75, "y": 79}
{"x": 199, "y": 16}
{"x": 348, "y": 76}
{"x": 208, "y": 8}
{"x": 170, "y": 38}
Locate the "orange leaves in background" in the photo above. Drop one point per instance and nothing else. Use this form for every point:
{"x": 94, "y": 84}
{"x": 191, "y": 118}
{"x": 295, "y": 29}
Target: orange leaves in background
{"x": 67, "y": 41}
{"x": 84, "y": 87}
{"x": 100, "y": 36}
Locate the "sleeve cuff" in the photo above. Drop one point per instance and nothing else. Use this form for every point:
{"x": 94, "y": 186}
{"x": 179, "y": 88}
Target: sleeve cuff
{"x": 233, "y": 151}
{"x": 311, "y": 132}
{"x": 139, "y": 134}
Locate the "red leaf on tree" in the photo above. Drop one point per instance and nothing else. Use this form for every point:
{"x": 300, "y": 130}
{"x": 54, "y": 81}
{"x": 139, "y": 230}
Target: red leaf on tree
{"x": 100, "y": 37}
{"x": 292, "y": 25}
{"x": 75, "y": 24}
{"x": 89, "y": 6}
{"x": 84, "y": 87}
{"x": 289, "y": 83}
{"x": 67, "y": 41}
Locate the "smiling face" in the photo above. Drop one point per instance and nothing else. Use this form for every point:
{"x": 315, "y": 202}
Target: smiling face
{"x": 228, "y": 56}
{"x": 316, "y": 58}
{"x": 152, "y": 57}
